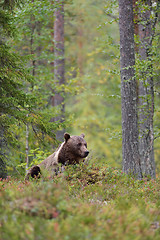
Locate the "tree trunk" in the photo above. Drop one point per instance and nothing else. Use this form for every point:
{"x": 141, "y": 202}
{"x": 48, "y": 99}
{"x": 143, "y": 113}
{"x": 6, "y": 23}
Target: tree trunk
{"x": 131, "y": 158}
{"x": 33, "y": 64}
{"x": 3, "y": 169}
{"x": 27, "y": 147}
{"x": 80, "y": 44}
{"x": 32, "y": 42}
{"x": 59, "y": 64}
{"x": 146, "y": 93}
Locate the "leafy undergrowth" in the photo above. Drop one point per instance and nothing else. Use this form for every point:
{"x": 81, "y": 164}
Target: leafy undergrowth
{"x": 85, "y": 202}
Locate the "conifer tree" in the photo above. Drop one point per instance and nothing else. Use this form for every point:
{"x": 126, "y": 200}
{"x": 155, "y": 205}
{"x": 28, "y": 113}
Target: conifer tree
{"x": 146, "y": 88}
{"x": 130, "y": 148}
{"x": 14, "y": 103}
{"x": 59, "y": 63}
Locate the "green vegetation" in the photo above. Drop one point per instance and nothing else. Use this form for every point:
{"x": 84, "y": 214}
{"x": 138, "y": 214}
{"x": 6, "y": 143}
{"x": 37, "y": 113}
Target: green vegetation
{"x": 85, "y": 202}
{"x": 92, "y": 89}
{"x": 89, "y": 201}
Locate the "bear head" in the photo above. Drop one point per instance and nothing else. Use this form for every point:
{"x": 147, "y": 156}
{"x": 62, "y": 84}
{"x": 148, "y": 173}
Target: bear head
{"x": 74, "y": 149}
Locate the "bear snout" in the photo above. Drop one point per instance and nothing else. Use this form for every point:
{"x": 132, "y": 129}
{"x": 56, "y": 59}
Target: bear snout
{"x": 86, "y": 153}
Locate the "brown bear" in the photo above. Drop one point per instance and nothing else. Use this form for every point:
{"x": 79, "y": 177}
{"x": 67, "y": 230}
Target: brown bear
{"x": 70, "y": 152}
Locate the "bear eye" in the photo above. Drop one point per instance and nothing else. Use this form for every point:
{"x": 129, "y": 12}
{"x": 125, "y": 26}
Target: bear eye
{"x": 85, "y": 145}
{"x": 79, "y": 144}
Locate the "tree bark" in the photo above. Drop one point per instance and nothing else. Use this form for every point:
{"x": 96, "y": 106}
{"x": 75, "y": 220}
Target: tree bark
{"x": 146, "y": 93}
{"x": 59, "y": 63}
{"x": 27, "y": 147}
{"x": 3, "y": 169}
{"x": 130, "y": 150}
{"x": 80, "y": 44}
{"x": 32, "y": 42}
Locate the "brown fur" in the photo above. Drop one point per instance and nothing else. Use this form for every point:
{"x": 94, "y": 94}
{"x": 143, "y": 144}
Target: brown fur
{"x": 70, "y": 152}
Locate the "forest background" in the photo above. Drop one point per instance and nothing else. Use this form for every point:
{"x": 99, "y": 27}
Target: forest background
{"x": 92, "y": 82}
{"x": 97, "y": 200}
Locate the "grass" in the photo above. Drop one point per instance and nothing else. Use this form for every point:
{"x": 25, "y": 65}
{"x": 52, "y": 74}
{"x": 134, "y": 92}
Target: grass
{"x": 85, "y": 202}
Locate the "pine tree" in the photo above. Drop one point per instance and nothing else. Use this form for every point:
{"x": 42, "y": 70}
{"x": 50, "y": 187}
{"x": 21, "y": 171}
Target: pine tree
{"x": 146, "y": 88}
{"x": 59, "y": 62}
{"x": 14, "y": 103}
{"x": 131, "y": 158}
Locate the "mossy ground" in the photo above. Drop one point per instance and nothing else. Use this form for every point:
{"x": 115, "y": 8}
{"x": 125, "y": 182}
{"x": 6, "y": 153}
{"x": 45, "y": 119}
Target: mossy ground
{"x": 85, "y": 202}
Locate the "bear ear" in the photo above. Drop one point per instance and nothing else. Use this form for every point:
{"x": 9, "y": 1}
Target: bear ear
{"x": 82, "y": 135}
{"x": 66, "y": 136}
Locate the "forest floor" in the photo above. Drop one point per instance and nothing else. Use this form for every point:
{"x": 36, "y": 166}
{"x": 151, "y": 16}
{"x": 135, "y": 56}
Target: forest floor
{"x": 85, "y": 202}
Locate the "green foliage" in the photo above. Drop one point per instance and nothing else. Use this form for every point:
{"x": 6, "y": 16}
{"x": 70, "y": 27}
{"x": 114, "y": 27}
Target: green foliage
{"x": 25, "y": 92}
{"x": 38, "y": 156}
{"x": 92, "y": 88}
{"x": 15, "y": 104}
{"x": 86, "y": 202}
{"x": 96, "y": 107}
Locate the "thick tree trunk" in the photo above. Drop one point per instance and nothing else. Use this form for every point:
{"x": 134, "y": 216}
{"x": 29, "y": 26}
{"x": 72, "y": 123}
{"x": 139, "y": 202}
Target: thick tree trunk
{"x": 131, "y": 158}
{"x": 59, "y": 64}
{"x": 146, "y": 94}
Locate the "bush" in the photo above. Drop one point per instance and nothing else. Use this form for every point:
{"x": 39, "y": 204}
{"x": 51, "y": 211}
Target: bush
{"x": 85, "y": 202}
